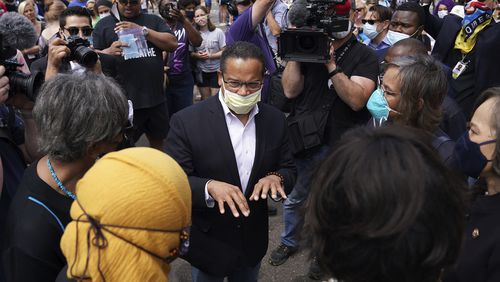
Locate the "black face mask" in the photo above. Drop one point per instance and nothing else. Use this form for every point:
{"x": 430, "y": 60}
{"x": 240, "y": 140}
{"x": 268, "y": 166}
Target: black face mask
{"x": 468, "y": 156}
{"x": 190, "y": 15}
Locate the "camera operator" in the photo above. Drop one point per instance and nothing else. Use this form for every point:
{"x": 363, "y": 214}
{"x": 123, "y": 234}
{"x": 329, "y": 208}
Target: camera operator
{"x": 17, "y": 146}
{"x": 75, "y": 29}
{"x": 329, "y": 99}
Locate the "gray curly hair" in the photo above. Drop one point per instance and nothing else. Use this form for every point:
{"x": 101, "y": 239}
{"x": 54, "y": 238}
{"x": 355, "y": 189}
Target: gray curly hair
{"x": 75, "y": 111}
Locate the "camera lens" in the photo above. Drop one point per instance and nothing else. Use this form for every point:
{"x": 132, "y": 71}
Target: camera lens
{"x": 307, "y": 43}
{"x": 86, "y": 56}
{"x": 28, "y": 84}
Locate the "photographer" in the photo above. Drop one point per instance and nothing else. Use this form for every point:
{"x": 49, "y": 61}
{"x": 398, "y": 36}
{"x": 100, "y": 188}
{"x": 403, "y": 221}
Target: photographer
{"x": 17, "y": 145}
{"x": 329, "y": 99}
{"x": 69, "y": 52}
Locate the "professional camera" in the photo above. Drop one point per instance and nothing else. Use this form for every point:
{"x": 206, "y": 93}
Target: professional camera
{"x": 28, "y": 84}
{"x": 80, "y": 51}
{"x": 316, "y": 21}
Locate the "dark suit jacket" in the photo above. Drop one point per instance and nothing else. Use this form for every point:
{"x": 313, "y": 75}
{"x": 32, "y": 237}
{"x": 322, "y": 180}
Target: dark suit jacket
{"x": 487, "y": 59}
{"x": 199, "y": 141}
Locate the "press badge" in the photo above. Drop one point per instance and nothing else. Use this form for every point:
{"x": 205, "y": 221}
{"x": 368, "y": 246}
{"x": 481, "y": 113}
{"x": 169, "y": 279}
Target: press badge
{"x": 459, "y": 69}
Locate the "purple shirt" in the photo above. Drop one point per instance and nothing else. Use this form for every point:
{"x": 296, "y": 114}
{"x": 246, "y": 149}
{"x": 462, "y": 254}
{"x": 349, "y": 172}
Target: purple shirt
{"x": 178, "y": 61}
{"x": 76, "y": 3}
{"x": 242, "y": 30}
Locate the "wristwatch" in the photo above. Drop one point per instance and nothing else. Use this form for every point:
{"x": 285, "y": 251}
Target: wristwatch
{"x": 145, "y": 31}
{"x": 338, "y": 69}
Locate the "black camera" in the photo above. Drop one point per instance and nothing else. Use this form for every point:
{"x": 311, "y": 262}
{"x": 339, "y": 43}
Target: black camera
{"x": 28, "y": 84}
{"x": 80, "y": 51}
{"x": 310, "y": 41}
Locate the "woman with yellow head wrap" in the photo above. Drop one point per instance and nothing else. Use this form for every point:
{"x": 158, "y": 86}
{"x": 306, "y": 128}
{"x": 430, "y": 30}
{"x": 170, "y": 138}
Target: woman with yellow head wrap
{"x": 130, "y": 219}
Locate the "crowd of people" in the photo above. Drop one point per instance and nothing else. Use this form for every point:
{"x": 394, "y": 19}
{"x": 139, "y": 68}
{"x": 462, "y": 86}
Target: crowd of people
{"x": 385, "y": 154}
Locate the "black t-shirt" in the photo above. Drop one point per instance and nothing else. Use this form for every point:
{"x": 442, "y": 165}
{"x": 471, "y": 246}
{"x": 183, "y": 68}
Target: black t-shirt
{"x": 358, "y": 60}
{"x": 37, "y": 216}
{"x": 142, "y": 78}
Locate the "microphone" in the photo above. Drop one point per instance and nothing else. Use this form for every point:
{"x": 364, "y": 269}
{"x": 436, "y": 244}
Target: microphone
{"x": 298, "y": 13}
{"x": 17, "y": 31}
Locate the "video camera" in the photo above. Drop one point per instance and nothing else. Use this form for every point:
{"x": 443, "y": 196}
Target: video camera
{"x": 310, "y": 41}
{"x": 28, "y": 84}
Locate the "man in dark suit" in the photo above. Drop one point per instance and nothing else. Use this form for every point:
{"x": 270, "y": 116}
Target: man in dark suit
{"x": 466, "y": 47}
{"x": 235, "y": 152}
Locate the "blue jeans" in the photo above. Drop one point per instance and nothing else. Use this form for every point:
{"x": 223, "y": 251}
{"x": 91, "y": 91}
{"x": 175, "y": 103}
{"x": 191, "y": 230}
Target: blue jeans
{"x": 293, "y": 221}
{"x": 180, "y": 94}
{"x": 244, "y": 274}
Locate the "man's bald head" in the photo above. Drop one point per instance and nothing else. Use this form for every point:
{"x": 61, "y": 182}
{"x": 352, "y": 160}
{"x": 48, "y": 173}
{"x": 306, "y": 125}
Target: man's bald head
{"x": 404, "y": 48}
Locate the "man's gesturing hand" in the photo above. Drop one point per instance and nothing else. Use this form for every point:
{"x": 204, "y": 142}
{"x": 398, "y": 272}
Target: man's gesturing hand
{"x": 230, "y": 194}
{"x": 269, "y": 183}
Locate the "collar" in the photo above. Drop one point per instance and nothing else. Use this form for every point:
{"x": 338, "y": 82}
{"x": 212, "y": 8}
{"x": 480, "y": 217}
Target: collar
{"x": 227, "y": 111}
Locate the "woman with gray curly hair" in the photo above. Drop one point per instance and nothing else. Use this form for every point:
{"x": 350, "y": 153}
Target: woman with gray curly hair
{"x": 79, "y": 119}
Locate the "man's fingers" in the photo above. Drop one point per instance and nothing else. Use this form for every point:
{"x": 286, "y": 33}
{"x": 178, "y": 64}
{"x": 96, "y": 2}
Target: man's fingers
{"x": 221, "y": 206}
{"x": 232, "y": 206}
{"x": 256, "y": 191}
{"x": 281, "y": 191}
{"x": 274, "y": 190}
{"x": 265, "y": 190}
{"x": 240, "y": 200}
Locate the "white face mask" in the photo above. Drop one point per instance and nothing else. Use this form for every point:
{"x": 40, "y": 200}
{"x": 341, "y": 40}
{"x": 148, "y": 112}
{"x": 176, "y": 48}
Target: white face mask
{"x": 370, "y": 30}
{"x": 103, "y": 15}
{"x": 393, "y": 36}
{"x": 239, "y": 104}
{"x": 342, "y": 34}
{"x": 442, "y": 13}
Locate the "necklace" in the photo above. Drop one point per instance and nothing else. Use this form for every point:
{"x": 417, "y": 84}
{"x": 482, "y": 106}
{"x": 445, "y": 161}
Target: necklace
{"x": 59, "y": 183}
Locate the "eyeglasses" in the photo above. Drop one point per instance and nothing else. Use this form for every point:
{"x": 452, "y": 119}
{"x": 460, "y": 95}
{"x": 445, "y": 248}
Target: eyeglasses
{"x": 86, "y": 30}
{"x": 389, "y": 93}
{"x": 372, "y": 22}
{"x": 131, "y": 2}
{"x": 250, "y": 85}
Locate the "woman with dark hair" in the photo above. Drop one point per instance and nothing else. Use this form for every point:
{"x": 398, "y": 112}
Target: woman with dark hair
{"x": 75, "y": 129}
{"x": 208, "y": 54}
{"x": 372, "y": 216}
{"x": 411, "y": 94}
{"x": 477, "y": 154}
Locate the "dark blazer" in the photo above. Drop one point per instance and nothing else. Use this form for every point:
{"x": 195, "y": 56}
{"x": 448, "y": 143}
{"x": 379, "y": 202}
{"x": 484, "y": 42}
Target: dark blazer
{"x": 479, "y": 260}
{"x": 199, "y": 141}
{"x": 446, "y": 30}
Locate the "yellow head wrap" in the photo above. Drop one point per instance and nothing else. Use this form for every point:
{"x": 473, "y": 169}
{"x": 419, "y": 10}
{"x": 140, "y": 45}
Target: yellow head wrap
{"x": 135, "y": 188}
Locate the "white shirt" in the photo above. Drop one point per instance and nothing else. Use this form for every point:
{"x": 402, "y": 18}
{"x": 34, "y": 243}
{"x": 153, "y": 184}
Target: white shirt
{"x": 243, "y": 139}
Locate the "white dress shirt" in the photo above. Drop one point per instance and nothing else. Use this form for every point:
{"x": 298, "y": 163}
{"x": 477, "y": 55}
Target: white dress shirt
{"x": 243, "y": 139}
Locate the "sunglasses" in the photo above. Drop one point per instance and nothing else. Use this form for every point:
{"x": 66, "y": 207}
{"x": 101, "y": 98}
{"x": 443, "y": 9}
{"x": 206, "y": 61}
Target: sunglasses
{"x": 372, "y": 22}
{"x": 131, "y": 2}
{"x": 86, "y": 30}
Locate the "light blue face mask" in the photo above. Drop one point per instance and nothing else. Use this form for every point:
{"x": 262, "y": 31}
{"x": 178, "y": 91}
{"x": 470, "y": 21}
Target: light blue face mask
{"x": 378, "y": 107}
